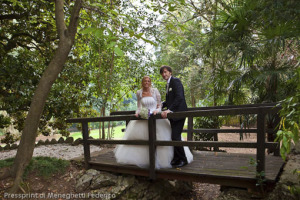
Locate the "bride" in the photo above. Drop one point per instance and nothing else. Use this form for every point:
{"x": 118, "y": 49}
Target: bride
{"x": 149, "y": 98}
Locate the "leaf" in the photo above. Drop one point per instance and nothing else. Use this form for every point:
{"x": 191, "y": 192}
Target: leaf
{"x": 88, "y": 30}
{"x": 171, "y": 8}
{"x": 112, "y": 44}
{"x": 174, "y": 43}
{"x": 182, "y": 2}
{"x": 131, "y": 33}
{"x": 118, "y": 51}
{"x": 282, "y": 153}
{"x": 190, "y": 42}
{"x": 295, "y": 133}
{"x": 139, "y": 35}
{"x": 148, "y": 41}
{"x": 284, "y": 142}
{"x": 279, "y": 133}
{"x": 99, "y": 32}
{"x": 99, "y": 5}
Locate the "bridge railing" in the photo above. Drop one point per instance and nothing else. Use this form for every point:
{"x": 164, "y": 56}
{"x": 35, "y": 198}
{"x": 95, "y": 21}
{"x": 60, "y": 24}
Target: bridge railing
{"x": 261, "y": 110}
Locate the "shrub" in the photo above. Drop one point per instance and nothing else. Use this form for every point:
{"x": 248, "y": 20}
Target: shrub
{"x": 206, "y": 122}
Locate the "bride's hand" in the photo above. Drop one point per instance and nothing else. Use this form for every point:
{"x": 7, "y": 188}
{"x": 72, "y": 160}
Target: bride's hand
{"x": 154, "y": 112}
{"x": 137, "y": 115}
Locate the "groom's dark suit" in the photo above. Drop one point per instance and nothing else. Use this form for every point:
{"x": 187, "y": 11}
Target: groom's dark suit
{"x": 175, "y": 101}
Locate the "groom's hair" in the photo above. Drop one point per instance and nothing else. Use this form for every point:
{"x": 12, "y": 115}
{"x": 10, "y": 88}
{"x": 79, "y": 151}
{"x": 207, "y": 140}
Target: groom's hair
{"x": 162, "y": 68}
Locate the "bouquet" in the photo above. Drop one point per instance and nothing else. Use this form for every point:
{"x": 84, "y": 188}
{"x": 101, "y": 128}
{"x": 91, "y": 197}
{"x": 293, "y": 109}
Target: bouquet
{"x": 144, "y": 113}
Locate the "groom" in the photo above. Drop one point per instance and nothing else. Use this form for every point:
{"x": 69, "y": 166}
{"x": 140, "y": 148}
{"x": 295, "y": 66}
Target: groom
{"x": 175, "y": 101}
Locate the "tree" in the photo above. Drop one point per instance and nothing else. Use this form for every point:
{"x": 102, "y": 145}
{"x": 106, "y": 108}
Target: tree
{"x": 106, "y": 10}
{"x": 66, "y": 40}
{"x": 259, "y": 34}
{"x": 240, "y": 51}
{"x": 30, "y": 25}
{"x": 116, "y": 51}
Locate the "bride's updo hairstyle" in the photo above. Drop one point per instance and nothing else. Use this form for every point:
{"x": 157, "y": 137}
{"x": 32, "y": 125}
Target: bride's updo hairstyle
{"x": 145, "y": 78}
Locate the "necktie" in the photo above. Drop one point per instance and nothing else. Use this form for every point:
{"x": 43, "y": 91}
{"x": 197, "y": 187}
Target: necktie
{"x": 167, "y": 88}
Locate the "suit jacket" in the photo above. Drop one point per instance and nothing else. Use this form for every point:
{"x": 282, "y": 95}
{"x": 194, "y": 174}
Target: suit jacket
{"x": 175, "y": 99}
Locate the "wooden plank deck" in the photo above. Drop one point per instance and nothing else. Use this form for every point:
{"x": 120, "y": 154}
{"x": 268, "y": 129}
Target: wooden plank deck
{"x": 227, "y": 169}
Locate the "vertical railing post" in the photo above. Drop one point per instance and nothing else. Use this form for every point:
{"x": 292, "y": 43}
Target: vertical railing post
{"x": 277, "y": 122}
{"x": 86, "y": 145}
{"x": 216, "y": 134}
{"x": 190, "y": 129}
{"x": 261, "y": 130}
{"x": 152, "y": 146}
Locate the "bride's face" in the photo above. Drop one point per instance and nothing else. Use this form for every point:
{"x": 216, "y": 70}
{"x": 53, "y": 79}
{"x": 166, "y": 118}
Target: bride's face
{"x": 146, "y": 83}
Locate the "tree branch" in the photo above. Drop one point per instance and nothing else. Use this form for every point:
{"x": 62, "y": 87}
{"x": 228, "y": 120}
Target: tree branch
{"x": 13, "y": 16}
{"x": 26, "y": 35}
{"x": 74, "y": 19}
{"x": 199, "y": 11}
{"x": 91, "y": 8}
{"x": 14, "y": 41}
{"x": 59, "y": 15}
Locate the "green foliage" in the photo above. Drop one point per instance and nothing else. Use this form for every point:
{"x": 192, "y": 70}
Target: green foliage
{"x": 6, "y": 163}
{"x": 9, "y": 138}
{"x": 206, "y": 123}
{"x": 107, "y": 49}
{"x": 43, "y": 166}
{"x": 237, "y": 52}
{"x": 22, "y": 63}
{"x": 46, "y": 166}
{"x": 287, "y": 137}
{"x": 265, "y": 64}
{"x": 116, "y": 48}
{"x": 260, "y": 176}
{"x": 289, "y": 124}
{"x": 288, "y": 132}
{"x": 295, "y": 190}
{"x": 4, "y": 121}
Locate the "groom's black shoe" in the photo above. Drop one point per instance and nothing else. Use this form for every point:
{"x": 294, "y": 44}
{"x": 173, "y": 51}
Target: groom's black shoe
{"x": 179, "y": 163}
{"x": 174, "y": 162}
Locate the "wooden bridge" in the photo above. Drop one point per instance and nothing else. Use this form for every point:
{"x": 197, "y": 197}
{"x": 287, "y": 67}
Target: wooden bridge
{"x": 226, "y": 169}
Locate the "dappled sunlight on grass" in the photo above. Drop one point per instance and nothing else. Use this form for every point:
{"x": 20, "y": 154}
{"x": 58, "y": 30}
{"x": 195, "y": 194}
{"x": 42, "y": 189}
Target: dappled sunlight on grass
{"x": 117, "y": 133}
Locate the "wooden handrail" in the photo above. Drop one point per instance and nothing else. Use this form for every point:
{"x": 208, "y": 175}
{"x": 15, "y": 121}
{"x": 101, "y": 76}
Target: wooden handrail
{"x": 207, "y": 108}
{"x": 224, "y": 112}
{"x": 218, "y": 130}
{"x": 193, "y": 113}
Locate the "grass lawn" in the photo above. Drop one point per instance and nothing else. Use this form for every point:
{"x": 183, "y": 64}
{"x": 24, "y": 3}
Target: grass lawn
{"x": 118, "y": 134}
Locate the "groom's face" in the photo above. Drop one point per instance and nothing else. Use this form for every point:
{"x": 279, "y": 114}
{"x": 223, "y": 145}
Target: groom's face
{"x": 166, "y": 74}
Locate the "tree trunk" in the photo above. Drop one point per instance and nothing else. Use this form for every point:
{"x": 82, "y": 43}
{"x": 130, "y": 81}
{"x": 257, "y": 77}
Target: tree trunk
{"x": 193, "y": 100}
{"x": 108, "y": 131}
{"x": 214, "y": 65}
{"x": 66, "y": 40}
{"x": 103, "y": 124}
{"x": 100, "y": 128}
{"x": 99, "y": 90}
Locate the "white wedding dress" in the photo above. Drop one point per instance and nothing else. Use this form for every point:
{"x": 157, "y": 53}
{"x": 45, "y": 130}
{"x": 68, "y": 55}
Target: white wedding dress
{"x": 138, "y": 130}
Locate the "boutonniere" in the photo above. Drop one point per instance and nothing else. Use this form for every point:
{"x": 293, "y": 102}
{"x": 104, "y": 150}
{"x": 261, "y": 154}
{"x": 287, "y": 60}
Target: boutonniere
{"x": 170, "y": 89}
